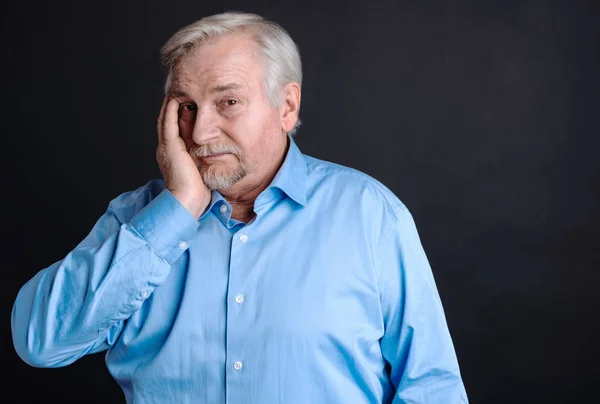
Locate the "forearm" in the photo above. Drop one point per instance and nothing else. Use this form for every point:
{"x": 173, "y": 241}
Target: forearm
{"x": 68, "y": 309}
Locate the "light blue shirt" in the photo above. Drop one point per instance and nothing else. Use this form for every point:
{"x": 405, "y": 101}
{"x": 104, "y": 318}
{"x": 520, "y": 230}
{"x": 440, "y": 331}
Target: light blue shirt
{"x": 326, "y": 296}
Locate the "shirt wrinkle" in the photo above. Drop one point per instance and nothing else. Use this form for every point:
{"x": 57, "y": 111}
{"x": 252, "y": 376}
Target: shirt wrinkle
{"x": 305, "y": 303}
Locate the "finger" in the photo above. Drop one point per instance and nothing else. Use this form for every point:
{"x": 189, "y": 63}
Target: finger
{"x": 170, "y": 125}
{"x": 162, "y": 109}
{"x": 159, "y": 121}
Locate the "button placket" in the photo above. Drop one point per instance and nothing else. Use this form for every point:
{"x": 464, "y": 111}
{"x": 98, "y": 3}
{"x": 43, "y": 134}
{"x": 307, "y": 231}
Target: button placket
{"x": 237, "y": 315}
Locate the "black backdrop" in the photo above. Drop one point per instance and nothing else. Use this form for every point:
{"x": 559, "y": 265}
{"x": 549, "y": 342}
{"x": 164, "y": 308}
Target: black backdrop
{"x": 481, "y": 116}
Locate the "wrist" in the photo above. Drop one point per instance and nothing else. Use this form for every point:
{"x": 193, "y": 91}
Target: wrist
{"x": 193, "y": 205}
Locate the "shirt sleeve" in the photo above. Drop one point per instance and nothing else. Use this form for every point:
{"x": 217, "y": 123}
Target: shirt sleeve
{"x": 416, "y": 343}
{"x": 79, "y": 304}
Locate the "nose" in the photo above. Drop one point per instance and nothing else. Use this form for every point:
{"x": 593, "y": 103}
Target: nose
{"x": 205, "y": 126}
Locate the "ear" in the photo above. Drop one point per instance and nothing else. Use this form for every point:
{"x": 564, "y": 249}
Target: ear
{"x": 290, "y": 107}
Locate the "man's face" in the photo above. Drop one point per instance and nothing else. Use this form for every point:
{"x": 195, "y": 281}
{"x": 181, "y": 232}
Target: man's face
{"x": 223, "y": 109}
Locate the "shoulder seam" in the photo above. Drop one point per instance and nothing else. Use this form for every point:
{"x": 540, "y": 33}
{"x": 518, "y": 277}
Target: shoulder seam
{"x": 386, "y": 193}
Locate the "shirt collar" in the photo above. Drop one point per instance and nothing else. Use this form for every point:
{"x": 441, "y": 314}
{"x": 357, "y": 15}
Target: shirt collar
{"x": 290, "y": 179}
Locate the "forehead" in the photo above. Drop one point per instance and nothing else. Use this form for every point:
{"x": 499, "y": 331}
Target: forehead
{"x": 229, "y": 59}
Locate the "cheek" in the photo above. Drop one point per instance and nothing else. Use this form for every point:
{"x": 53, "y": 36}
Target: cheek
{"x": 255, "y": 132}
{"x": 186, "y": 127}
{"x": 268, "y": 139}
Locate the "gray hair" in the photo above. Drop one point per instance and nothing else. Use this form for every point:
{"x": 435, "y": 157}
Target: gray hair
{"x": 281, "y": 57}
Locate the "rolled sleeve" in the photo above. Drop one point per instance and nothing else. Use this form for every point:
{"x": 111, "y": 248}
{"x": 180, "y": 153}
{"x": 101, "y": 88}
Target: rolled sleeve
{"x": 166, "y": 225}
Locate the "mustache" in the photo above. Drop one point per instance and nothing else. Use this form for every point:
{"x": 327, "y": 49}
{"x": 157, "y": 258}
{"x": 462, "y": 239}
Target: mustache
{"x": 212, "y": 149}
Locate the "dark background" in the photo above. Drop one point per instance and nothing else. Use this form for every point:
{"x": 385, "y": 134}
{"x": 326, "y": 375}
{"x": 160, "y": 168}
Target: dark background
{"x": 482, "y": 116}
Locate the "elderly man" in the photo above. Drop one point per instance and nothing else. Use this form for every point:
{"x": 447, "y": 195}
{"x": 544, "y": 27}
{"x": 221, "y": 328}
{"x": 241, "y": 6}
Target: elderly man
{"x": 250, "y": 273}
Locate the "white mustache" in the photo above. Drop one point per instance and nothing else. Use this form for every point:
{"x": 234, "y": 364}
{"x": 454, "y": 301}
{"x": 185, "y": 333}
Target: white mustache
{"x": 212, "y": 149}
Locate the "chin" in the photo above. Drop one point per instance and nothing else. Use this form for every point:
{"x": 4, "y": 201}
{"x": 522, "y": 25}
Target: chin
{"x": 221, "y": 180}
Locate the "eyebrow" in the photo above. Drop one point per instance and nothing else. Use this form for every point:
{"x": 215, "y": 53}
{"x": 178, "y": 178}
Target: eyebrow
{"x": 179, "y": 94}
{"x": 225, "y": 87}
{"x": 217, "y": 89}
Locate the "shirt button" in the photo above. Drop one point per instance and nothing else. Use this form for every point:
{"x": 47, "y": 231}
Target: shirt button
{"x": 243, "y": 238}
{"x": 144, "y": 294}
{"x": 237, "y": 365}
{"x": 223, "y": 208}
{"x": 239, "y": 298}
{"x": 183, "y": 245}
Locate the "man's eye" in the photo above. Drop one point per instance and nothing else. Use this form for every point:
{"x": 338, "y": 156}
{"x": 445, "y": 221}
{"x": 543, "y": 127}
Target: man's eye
{"x": 230, "y": 103}
{"x": 187, "y": 108}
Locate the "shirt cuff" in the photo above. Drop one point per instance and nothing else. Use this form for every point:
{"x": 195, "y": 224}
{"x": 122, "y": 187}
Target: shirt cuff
{"x": 166, "y": 225}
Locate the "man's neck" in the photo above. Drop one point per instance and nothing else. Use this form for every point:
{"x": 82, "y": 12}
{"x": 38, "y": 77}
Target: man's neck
{"x": 242, "y": 196}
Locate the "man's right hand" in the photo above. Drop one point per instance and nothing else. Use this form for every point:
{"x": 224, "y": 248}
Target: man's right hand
{"x": 179, "y": 171}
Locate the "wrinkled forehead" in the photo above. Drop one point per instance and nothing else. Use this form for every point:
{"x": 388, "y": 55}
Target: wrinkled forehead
{"x": 233, "y": 58}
